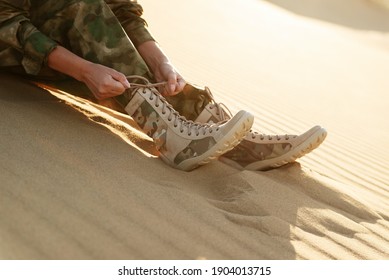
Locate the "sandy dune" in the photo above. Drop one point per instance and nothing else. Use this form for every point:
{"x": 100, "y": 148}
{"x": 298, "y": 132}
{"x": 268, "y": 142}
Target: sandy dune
{"x": 72, "y": 189}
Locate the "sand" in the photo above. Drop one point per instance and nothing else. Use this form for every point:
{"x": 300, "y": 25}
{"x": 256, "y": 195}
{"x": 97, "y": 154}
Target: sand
{"x": 77, "y": 181}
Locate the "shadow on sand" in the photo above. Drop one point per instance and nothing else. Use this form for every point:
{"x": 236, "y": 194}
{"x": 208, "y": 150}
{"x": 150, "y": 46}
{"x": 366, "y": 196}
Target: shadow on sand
{"x": 72, "y": 190}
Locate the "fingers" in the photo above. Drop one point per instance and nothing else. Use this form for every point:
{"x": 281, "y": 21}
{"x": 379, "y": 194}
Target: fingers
{"x": 114, "y": 84}
{"x": 109, "y": 87}
{"x": 104, "y": 82}
{"x": 172, "y": 83}
{"x": 121, "y": 78}
{"x": 115, "y": 87}
{"x": 175, "y": 84}
{"x": 181, "y": 84}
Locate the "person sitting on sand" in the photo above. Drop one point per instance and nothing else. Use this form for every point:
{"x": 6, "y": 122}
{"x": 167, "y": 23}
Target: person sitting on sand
{"x": 106, "y": 45}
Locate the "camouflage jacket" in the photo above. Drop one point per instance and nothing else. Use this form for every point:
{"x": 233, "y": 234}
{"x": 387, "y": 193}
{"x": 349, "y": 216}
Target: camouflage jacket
{"x": 21, "y": 42}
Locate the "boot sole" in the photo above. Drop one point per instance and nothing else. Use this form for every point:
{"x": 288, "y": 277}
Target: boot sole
{"x": 227, "y": 143}
{"x": 304, "y": 148}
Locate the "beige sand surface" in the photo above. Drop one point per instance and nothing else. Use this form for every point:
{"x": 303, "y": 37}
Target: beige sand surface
{"x": 73, "y": 189}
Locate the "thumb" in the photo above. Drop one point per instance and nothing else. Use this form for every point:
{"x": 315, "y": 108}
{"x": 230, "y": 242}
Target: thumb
{"x": 171, "y": 83}
{"x": 121, "y": 78}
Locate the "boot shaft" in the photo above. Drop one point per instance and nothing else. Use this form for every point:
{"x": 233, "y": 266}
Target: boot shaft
{"x": 183, "y": 144}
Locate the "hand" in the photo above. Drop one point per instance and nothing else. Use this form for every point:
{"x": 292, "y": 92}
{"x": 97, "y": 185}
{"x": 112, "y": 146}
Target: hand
{"x": 161, "y": 67}
{"x": 103, "y": 81}
{"x": 166, "y": 72}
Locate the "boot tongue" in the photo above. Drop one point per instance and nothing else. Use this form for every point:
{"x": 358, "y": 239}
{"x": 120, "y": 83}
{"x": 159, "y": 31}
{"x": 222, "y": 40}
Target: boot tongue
{"x": 208, "y": 115}
{"x": 191, "y": 102}
{"x": 197, "y": 104}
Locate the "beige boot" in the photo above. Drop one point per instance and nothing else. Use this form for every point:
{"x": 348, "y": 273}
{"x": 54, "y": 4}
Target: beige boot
{"x": 259, "y": 151}
{"x": 183, "y": 144}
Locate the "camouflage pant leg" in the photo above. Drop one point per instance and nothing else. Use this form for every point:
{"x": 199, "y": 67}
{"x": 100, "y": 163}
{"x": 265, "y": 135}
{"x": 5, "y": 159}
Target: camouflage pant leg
{"x": 90, "y": 29}
{"x": 190, "y": 102}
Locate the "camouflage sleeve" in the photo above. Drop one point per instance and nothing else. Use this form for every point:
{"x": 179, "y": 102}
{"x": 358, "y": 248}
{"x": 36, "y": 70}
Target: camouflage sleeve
{"x": 18, "y": 32}
{"x": 129, "y": 13}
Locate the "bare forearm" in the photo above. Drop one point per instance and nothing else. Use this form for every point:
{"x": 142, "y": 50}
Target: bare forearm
{"x": 66, "y": 62}
{"x": 104, "y": 82}
{"x": 153, "y": 55}
{"x": 161, "y": 67}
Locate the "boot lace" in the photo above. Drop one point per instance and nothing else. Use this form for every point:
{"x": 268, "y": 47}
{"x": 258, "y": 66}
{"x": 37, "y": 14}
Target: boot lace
{"x": 174, "y": 116}
{"x": 262, "y": 136}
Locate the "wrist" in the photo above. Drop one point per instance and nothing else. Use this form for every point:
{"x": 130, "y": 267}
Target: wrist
{"x": 153, "y": 55}
{"x": 83, "y": 70}
{"x": 66, "y": 62}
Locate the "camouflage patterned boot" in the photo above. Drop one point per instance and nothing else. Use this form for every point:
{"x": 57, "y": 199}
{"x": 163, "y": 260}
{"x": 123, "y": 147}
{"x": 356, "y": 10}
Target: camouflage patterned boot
{"x": 183, "y": 144}
{"x": 256, "y": 151}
